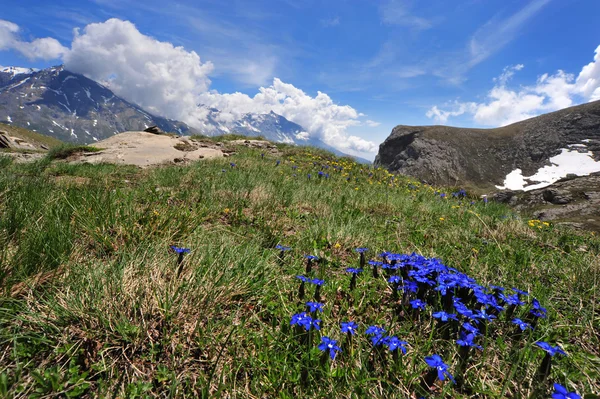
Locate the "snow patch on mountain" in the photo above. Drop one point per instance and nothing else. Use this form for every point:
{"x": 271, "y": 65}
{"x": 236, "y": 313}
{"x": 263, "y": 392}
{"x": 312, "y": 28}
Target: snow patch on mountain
{"x": 569, "y": 161}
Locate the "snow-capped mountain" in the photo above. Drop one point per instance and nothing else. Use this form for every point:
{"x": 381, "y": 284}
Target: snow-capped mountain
{"x": 271, "y": 126}
{"x": 70, "y": 107}
{"x": 76, "y": 109}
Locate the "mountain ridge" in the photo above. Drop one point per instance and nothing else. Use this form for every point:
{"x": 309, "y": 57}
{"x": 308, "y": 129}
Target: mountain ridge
{"x": 74, "y": 108}
{"x": 486, "y": 158}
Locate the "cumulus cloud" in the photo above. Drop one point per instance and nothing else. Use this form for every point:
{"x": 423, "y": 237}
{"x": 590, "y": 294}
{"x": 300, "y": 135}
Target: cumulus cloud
{"x": 45, "y": 48}
{"x": 505, "y": 105}
{"x": 319, "y": 115}
{"x": 371, "y": 123}
{"x": 160, "y": 77}
{"x": 173, "y": 82}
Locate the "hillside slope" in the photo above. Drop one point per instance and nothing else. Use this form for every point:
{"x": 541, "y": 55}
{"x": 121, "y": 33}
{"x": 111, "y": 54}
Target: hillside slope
{"x": 97, "y": 302}
{"x": 485, "y": 157}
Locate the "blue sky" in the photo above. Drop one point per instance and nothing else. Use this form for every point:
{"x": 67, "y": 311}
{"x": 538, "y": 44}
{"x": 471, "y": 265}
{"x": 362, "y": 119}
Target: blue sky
{"x": 390, "y": 61}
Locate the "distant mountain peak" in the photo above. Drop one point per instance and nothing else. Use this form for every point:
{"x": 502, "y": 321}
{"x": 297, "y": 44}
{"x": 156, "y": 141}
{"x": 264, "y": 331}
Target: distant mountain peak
{"x": 70, "y": 107}
{"x": 14, "y": 70}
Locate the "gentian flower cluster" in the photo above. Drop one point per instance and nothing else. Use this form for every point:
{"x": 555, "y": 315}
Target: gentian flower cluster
{"x": 467, "y": 312}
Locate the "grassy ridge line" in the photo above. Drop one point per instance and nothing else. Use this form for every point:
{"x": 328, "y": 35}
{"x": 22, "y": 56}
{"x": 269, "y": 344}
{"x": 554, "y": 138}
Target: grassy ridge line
{"x": 113, "y": 319}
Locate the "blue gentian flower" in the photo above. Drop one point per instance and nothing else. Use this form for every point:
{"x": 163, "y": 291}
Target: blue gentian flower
{"x": 470, "y": 328}
{"x": 304, "y": 279}
{"x": 483, "y": 315}
{"x": 436, "y": 362}
{"x": 304, "y": 320}
{"x": 318, "y": 282}
{"x": 277, "y": 162}
{"x": 395, "y": 280}
{"x": 354, "y": 270}
{"x": 561, "y": 392}
{"x": 311, "y": 257}
{"x": 315, "y": 306}
{"x": 418, "y": 304}
{"x": 409, "y": 286}
{"x": 393, "y": 343}
{"x": 514, "y": 299}
{"x": 180, "y": 250}
{"x": 462, "y": 309}
{"x": 349, "y": 327}
{"x": 282, "y": 248}
{"x": 309, "y": 176}
{"x": 232, "y": 164}
{"x": 361, "y": 250}
{"x": 537, "y": 309}
{"x": 551, "y": 350}
{"x": 522, "y": 325}
{"x": 328, "y": 344}
{"x": 524, "y": 293}
{"x": 376, "y": 333}
{"x": 443, "y": 316}
{"x": 467, "y": 340}
{"x": 374, "y": 330}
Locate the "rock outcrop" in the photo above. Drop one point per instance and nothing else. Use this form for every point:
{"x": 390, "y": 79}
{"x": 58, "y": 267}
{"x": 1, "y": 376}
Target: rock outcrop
{"x": 15, "y": 143}
{"x": 484, "y": 157}
{"x": 574, "y": 201}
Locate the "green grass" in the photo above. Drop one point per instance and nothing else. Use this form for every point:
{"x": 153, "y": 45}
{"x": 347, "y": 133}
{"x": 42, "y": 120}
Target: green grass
{"x": 66, "y": 150}
{"x": 92, "y": 306}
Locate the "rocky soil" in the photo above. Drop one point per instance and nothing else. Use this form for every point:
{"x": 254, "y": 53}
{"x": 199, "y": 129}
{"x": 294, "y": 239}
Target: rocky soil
{"x": 573, "y": 201}
{"x": 146, "y": 149}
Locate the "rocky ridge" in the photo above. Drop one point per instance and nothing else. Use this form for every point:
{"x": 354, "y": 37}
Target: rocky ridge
{"x": 485, "y": 157}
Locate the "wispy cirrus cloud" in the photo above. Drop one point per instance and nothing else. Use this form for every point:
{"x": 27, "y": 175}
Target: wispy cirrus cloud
{"x": 496, "y": 33}
{"x": 399, "y": 12}
{"x": 331, "y": 22}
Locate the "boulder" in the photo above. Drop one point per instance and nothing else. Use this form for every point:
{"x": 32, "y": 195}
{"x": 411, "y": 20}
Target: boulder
{"x": 504, "y": 197}
{"x": 154, "y": 130}
{"x": 557, "y": 197}
{"x": 14, "y": 143}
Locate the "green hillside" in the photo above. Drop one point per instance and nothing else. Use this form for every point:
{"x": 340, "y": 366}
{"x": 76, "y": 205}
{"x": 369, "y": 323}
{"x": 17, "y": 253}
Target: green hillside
{"x": 95, "y": 303}
{"x": 29, "y": 136}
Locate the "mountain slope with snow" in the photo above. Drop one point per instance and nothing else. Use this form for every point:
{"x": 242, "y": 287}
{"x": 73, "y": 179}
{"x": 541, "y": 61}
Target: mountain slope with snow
{"x": 73, "y": 108}
{"x": 271, "y": 126}
{"x": 70, "y": 107}
{"x": 526, "y": 155}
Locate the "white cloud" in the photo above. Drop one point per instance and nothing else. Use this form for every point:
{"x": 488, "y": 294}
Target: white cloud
{"x": 497, "y": 33}
{"x": 319, "y": 115}
{"x": 397, "y": 12}
{"x": 442, "y": 116}
{"x": 172, "y": 82}
{"x": 505, "y": 105}
{"x": 160, "y": 77}
{"x": 45, "y": 48}
{"x": 328, "y": 23}
{"x": 588, "y": 81}
{"x": 371, "y": 123}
